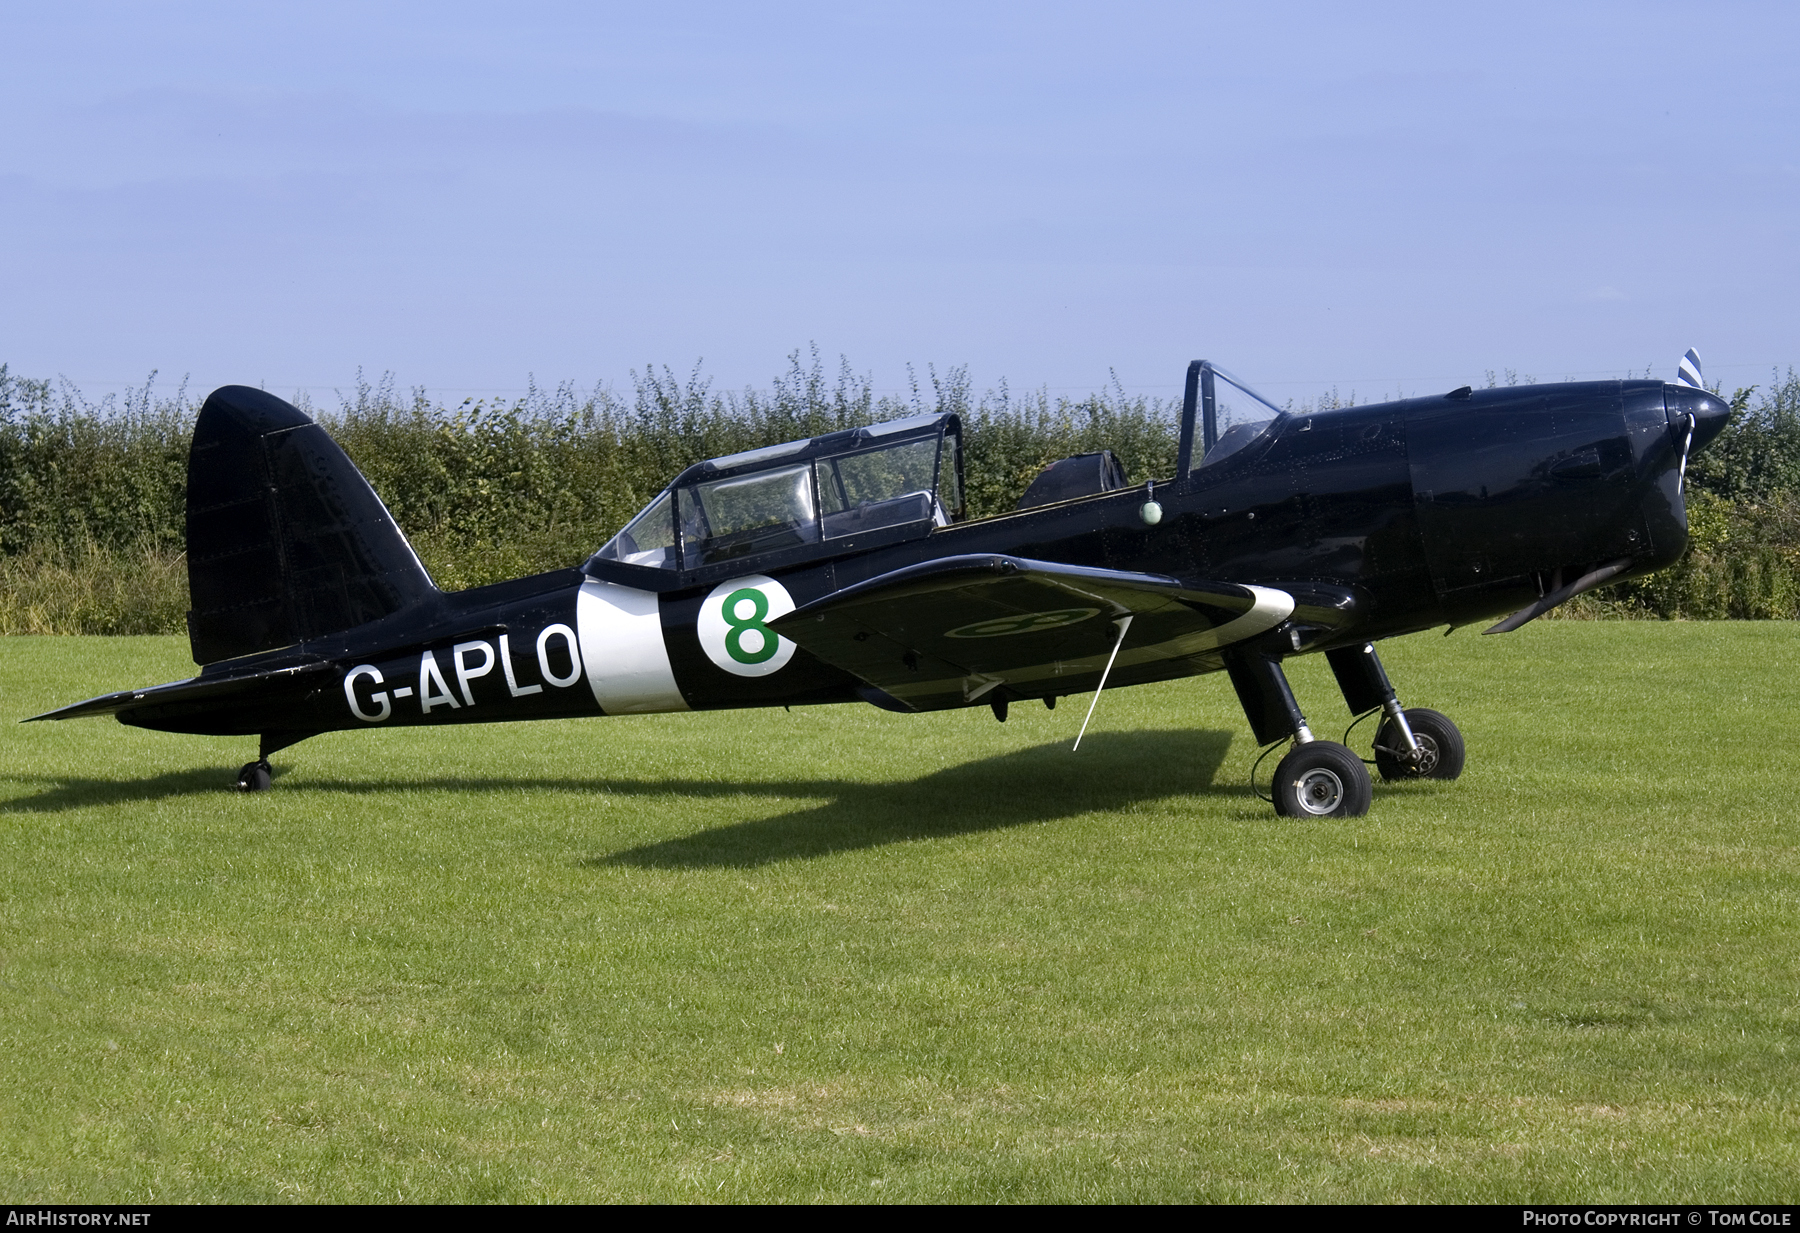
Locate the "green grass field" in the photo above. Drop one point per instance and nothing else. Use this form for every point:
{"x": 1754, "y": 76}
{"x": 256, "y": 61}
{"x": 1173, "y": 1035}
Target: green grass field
{"x": 840, "y": 954}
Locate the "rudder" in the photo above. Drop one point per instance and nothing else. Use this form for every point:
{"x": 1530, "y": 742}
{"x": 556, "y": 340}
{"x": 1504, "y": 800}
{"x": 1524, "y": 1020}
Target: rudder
{"x": 286, "y": 540}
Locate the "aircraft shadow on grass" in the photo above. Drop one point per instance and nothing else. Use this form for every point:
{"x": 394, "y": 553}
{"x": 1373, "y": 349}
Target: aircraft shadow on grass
{"x": 1113, "y": 770}
{"x": 62, "y": 792}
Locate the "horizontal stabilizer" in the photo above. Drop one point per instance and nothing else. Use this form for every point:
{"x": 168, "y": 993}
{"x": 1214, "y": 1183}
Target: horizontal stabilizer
{"x": 201, "y": 690}
{"x": 286, "y": 540}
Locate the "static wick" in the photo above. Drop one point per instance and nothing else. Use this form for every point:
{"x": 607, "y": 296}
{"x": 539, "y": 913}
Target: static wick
{"x": 1124, "y": 623}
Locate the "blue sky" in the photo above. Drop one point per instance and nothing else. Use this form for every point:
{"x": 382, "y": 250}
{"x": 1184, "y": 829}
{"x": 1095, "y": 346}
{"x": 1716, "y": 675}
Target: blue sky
{"x": 1386, "y": 199}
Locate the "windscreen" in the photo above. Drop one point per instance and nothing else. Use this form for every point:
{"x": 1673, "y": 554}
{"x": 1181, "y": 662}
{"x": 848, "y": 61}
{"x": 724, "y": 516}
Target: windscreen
{"x": 1240, "y": 413}
{"x": 648, "y": 539}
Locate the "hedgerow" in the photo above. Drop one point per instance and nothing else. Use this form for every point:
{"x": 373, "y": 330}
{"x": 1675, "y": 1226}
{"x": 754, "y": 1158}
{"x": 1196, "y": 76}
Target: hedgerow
{"x": 92, "y": 493}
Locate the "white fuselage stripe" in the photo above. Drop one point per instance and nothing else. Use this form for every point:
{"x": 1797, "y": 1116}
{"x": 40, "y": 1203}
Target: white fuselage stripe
{"x": 622, "y": 650}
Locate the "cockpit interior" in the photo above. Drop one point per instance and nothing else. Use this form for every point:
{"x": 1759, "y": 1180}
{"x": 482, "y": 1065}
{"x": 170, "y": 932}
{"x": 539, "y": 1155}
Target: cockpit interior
{"x": 837, "y": 490}
{"x": 865, "y": 487}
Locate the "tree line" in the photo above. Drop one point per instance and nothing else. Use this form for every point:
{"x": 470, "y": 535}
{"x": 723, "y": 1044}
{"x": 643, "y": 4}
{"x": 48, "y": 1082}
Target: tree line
{"x": 92, "y": 493}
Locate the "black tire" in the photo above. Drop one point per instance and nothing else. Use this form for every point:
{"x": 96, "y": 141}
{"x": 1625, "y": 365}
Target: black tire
{"x": 1322, "y": 779}
{"x": 1439, "y": 741}
{"x": 254, "y": 777}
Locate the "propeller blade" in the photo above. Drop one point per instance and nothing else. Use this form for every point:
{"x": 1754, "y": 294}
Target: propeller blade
{"x": 1689, "y": 372}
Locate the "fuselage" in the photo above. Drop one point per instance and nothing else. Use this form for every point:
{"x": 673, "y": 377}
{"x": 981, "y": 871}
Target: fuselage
{"x": 1379, "y": 520}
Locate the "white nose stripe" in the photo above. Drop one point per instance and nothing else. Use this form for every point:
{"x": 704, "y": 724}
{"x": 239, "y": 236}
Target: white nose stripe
{"x": 622, "y": 650}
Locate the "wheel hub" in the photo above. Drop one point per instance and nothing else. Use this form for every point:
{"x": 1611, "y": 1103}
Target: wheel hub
{"x": 1427, "y": 759}
{"x": 1320, "y": 791}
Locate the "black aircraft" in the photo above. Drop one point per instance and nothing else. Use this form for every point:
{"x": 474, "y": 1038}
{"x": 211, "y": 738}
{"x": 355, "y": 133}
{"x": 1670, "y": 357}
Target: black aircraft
{"x": 840, "y": 569}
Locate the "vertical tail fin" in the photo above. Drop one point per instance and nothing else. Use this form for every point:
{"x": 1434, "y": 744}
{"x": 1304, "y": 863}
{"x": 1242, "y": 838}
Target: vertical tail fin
{"x": 286, "y": 540}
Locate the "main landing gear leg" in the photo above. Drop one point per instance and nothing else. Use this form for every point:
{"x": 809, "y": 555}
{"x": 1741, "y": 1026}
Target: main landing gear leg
{"x": 1414, "y": 743}
{"x": 1317, "y": 779}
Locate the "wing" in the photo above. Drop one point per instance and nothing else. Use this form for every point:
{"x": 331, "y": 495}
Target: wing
{"x": 951, "y": 632}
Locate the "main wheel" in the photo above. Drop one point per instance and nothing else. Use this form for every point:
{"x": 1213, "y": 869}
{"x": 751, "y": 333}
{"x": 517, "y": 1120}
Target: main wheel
{"x": 1440, "y": 747}
{"x": 1322, "y": 779}
{"x": 254, "y": 777}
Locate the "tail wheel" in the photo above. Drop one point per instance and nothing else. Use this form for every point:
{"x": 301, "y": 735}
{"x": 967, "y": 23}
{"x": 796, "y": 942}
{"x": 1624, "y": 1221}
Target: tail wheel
{"x": 254, "y": 777}
{"x": 1440, "y": 747}
{"x": 1322, "y": 779}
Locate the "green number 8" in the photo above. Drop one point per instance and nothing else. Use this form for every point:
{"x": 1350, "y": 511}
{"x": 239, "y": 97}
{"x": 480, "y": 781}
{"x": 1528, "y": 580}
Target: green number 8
{"x": 734, "y": 640}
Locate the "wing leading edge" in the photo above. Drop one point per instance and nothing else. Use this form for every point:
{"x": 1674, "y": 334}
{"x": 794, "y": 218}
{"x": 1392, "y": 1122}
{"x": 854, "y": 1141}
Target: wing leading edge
{"x": 967, "y": 629}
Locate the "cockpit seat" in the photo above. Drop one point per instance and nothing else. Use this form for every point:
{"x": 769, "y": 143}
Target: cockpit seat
{"x": 1084, "y": 475}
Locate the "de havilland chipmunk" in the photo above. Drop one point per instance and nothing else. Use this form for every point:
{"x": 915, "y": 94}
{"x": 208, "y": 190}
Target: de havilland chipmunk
{"x": 841, "y": 569}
